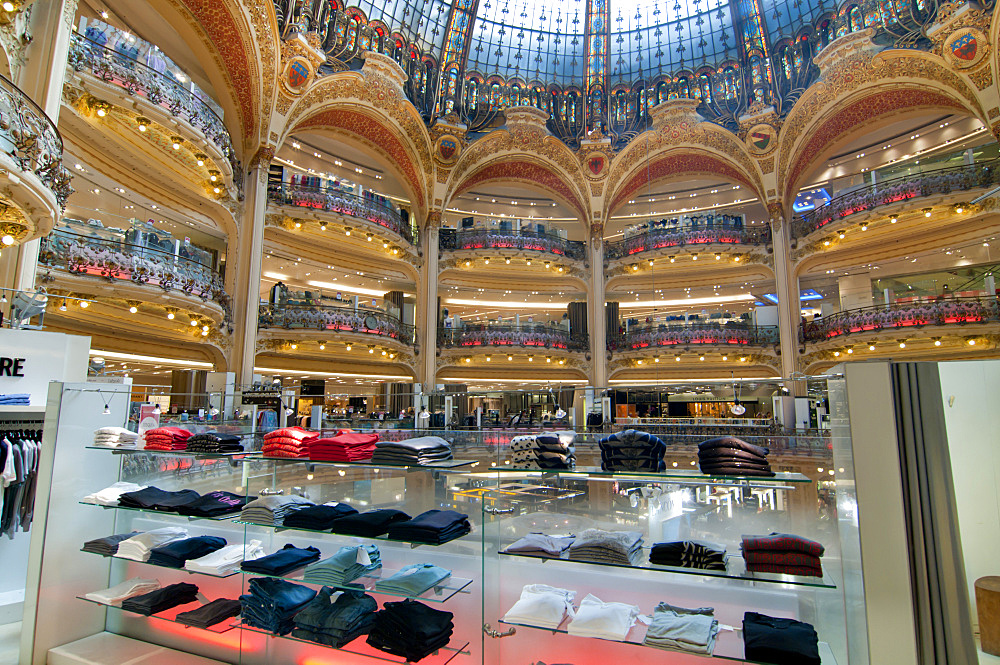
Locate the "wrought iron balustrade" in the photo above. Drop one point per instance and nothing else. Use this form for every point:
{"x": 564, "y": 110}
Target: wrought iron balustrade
{"x": 333, "y": 200}
{"x": 334, "y": 319}
{"x": 513, "y": 240}
{"x": 902, "y": 316}
{"x": 531, "y": 336}
{"x": 665, "y": 238}
{"x": 664, "y": 335}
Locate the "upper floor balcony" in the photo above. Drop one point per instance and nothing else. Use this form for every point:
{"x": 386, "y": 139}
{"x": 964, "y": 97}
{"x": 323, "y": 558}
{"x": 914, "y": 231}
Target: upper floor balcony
{"x": 685, "y": 232}
{"x": 511, "y": 240}
{"x": 903, "y": 316}
{"x": 163, "y": 91}
{"x": 887, "y": 192}
{"x": 693, "y": 333}
{"x": 330, "y": 318}
{"x": 337, "y": 201}
{"x": 528, "y": 336}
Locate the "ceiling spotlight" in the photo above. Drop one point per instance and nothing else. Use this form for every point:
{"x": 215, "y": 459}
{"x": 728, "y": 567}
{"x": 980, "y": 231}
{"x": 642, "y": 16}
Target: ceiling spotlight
{"x": 133, "y": 309}
{"x": 369, "y": 237}
{"x": 531, "y": 359}
{"x": 651, "y": 263}
{"x": 347, "y": 231}
{"x": 635, "y": 267}
{"x": 201, "y": 158}
{"x": 656, "y": 359}
{"x": 392, "y": 355}
{"x": 902, "y": 345}
{"x": 639, "y": 361}
{"x": 701, "y": 358}
{"x": 175, "y": 142}
{"x": 205, "y": 328}
{"x": 7, "y": 239}
{"x": 561, "y": 268}
{"x": 718, "y": 257}
{"x": 143, "y": 123}
{"x": 468, "y": 360}
{"x": 298, "y": 225}
{"x": 170, "y": 315}
{"x": 725, "y": 357}
{"x": 468, "y": 263}
{"x": 204, "y": 333}
{"x": 677, "y": 358}
{"x": 294, "y": 346}
{"x": 927, "y": 212}
{"x": 62, "y": 307}
{"x": 841, "y": 235}
{"x": 959, "y": 208}
{"x": 864, "y": 227}
{"x": 216, "y": 190}
{"x": 528, "y": 262}
{"x": 743, "y": 359}
{"x": 489, "y": 358}
{"x": 893, "y": 219}
{"x": 672, "y": 259}
{"x": 836, "y": 354}
{"x": 826, "y": 243}
{"x": 562, "y": 361}
{"x": 194, "y": 322}
{"x": 694, "y": 257}
{"x": 548, "y": 359}
{"x": 102, "y": 110}
{"x": 507, "y": 260}
{"x": 509, "y": 357}
{"x": 371, "y": 349}
{"x": 972, "y": 342}
{"x": 348, "y": 347}
{"x": 384, "y": 352}
{"x": 213, "y": 175}
{"x": 322, "y": 346}
{"x": 937, "y": 342}
{"x": 548, "y": 264}
{"x": 871, "y": 347}
{"x": 486, "y": 260}
{"x": 736, "y": 259}
{"x": 850, "y": 350}
{"x": 385, "y": 245}
{"x": 83, "y": 303}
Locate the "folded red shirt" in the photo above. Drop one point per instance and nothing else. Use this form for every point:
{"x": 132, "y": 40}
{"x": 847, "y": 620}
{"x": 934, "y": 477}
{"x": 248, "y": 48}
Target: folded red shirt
{"x": 805, "y": 571}
{"x": 782, "y": 558}
{"x": 175, "y": 432}
{"x": 782, "y": 542}
{"x": 297, "y": 433}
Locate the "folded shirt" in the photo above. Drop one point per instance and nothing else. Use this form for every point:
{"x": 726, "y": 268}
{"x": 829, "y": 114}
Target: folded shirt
{"x": 318, "y": 518}
{"x": 175, "y": 553}
{"x": 335, "y": 621}
{"x": 214, "y": 504}
{"x": 541, "y": 605}
{"x": 410, "y": 630}
{"x": 433, "y": 527}
{"x": 539, "y": 544}
{"x": 689, "y": 554}
{"x": 271, "y": 603}
{"x": 136, "y": 586}
{"x": 153, "y": 498}
{"x": 108, "y": 545}
{"x": 349, "y": 563}
{"x": 732, "y": 442}
{"x": 413, "y": 580}
{"x": 369, "y": 524}
{"x": 210, "y": 613}
{"x": 109, "y": 495}
{"x": 285, "y": 560}
{"x": 226, "y": 559}
{"x": 162, "y": 599}
{"x": 782, "y": 542}
{"x": 419, "y": 450}
{"x": 690, "y": 630}
{"x": 271, "y": 510}
{"x": 137, "y": 548}
{"x": 780, "y": 641}
{"x": 608, "y": 621}
{"x": 621, "y": 547}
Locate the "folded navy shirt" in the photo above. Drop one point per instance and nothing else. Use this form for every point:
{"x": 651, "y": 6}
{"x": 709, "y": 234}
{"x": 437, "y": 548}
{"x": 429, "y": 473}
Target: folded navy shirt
{"x": 432, "y": 526}
{"x": 283, "y": 561}
{"x": 769, "y": 639}
{"x": 369, "y": 524}
{"x": 176, "y": 553}
{"x": 153, "y": 498}
{"x": 318, "y": 518}
{"x": 214, "y": 504}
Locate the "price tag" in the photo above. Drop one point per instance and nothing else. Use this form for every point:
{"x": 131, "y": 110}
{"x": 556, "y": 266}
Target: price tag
{"x": 363, "y": 557}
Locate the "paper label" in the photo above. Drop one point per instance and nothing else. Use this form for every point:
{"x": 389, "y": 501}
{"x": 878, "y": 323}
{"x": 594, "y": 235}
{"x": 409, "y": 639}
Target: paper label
{"x": 363, "y": 557}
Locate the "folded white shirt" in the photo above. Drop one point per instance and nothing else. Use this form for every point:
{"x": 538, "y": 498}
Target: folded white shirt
{"x": 609, "y": 621}
{"x": 226, "y": 559}
{"x": 541, "y": 605}
{"x": 115, "y": 431}
{"x": 109, "y": 495}
{"x": 127, "y": 589}
{"x": 137, "y": 548}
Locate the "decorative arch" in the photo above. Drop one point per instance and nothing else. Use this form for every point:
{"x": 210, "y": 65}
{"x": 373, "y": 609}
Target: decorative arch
{"x": 521, "y": 169}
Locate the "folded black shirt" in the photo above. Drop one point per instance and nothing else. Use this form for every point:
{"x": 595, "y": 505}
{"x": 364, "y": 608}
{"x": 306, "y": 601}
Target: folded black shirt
{"x": 769, "y": 639}
{"x": 369, "y": 524}
{"x": 211, "y": 613}
{"x": 162, "y": 599}
{"x": 318, "y": 518}
{"x": 283, "y": 561}
{"x": 214, "y": 504}
{"x": 410, "y": 629}
{"x": 731, "y": 442}
{"x": 108, "y": 545}
{"x": 433, "y": 527}
{"x": 174, "y": 554}
{"x": 153, "y": 498}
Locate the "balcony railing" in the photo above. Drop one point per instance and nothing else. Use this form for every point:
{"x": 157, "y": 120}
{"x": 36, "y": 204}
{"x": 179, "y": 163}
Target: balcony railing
{"x": 939, "y": 181}
{"x": 32, "y": 140}
{"x": 513, "y": 240}
{"x": 334, "y": 200}
{"x": 532, "y": 336}
{"x": 160, "y": 89}
{"x": 902, "y": 316}
{"x": 119, "y": 260}
{"x": 698, "y": 333}
{"x": 687, "y": 236}
{"x": 345, "y": 319}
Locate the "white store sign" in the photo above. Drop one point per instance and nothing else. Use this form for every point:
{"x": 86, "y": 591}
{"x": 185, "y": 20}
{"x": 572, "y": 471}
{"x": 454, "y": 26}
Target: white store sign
{"x": 30, "y": 359}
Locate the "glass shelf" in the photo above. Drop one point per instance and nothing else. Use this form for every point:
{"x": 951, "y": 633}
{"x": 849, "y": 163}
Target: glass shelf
{"x": 171, "y": 615}
{"x": 156, "y": 565}
{"x": 734, "y": 563}
{"x": 692, "y": 477}
{"x": 444, "y": 465}
{"x": 440, "y": 593}
{"x": 360, "y": 647}
{"x": 412, "y": 544}
{"x": 162, "y": 513}
{"x": 178, "y": 453}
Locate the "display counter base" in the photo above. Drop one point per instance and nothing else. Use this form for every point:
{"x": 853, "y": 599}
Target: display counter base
{"x": 110, "y": 649}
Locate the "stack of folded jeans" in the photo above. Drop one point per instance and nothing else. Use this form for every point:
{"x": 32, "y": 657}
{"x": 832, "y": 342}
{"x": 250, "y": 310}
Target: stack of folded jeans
{"x": 542, "y": 606}
{"x": 214, "y": 443}
{"x": 109, "y": 495}
{"x": 607, "y": 621}
{"x": 153, "y": 498}
{"x": 226, "y": 560}
{"x": 116, "y": 594}
{"x": 632, "y": 450}
{"x": 166, "y": 438}
{"x": 335, "y": 622}
{"x": 115, "y": 437}
{"x": 689, "y": 554}
{"x": 780, "y": 641}
{"x": 108, "y": 545}
{"x": 272, "y": 603}
{"x": 318, "y": 518}
{"x": 433, "y": 527}
{"x": 211, "y": 613}
{"x": 344, "y": 447}
{"x": 285, "y": 560}
{"x": 783, "y": 553}
{"x": 271, "y": 510}
{"x": 542, "y": 545}
{"x": 348, "y": 564}
{"x": 137, "y": 548}
{"x": 162, "y": 599}
{"x": 289, "y": 442}
{"x": 729, "y": 456}
{"x": 600, "y": 546}
{"x": 690, "y": 630}
{"x": 214, "y": 504}
{"x": 176, "y": 553}
{"x": 413, "y": 580}
{"x": 421, "y": 450}
{"x": 410, "y": 629}
{"x": 369, "y": 524}
{"x": 549, "y": 450}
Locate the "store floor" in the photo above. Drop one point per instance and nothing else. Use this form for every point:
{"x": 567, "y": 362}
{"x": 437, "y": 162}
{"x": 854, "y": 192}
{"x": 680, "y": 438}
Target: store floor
{"x": 10, "y": 641}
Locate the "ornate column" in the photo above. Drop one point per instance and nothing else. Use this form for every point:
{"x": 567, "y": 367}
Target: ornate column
{"x": 787, "y": 289}
{"x": 427, "y": 302}
{"x": 595, "y": 308}
{"x": 244, "y": 255}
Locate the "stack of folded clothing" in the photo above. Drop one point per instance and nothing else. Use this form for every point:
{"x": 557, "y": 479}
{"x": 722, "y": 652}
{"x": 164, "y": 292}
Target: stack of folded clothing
{"x": 116, "y": 594}
{"x": 335, "y": 623}
{"x": 210, "y": 614}
{"x": 226, "y": 560}
{"x": 318, "y": 518}
{"x": 271, "y": 510}
{"x": 214, "y": 504}
{"x": 729, "y": 456}
{"x": 137, "y": 548}
{"x": 272, "y": 603}
{"x": 780, "y": 641}
{"x": 421, "y": 450}
{"x": 285, "y": 560}
{"x": 539, "y": 544}
{"x": 548, "y": 450}
{"x": 153, "y": 602}
{"x": 690, "y": 630}
{"x": 215, "y": 443}
{"x": 108, "y": 545}
{"x": 115, "y": 437}
{"x": 18, "y": 399}
{"x": 598, "y": 545}
{"x": 153, "y": 498}
{"x": 410, "y": 629}
{"x": 689, "y": 554}
{"x": 541, "y": 605}
{"x": 433, "y": 527}
{"x": 348, "y": 564}
{"x": 109, "y": 495}
{"x": 176, "y": 553}
{"x": 783, "y": 553}
{"x": 607, "y": 621}
{"x": 632, "y": 450}
{"x": 166, "y": 438}
{"x": 413, "y": 580}
{"x": 369, "y": 524}
{"x": 344, "y": 447}
{"x": 292, "y": 442}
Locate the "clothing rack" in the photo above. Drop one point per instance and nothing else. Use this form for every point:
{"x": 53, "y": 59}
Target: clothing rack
{"x": 20, "y": 451}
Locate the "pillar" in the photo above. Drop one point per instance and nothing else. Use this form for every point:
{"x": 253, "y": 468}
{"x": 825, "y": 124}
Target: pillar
{"x": 595, "y": 309}
{"x": 244, "y": 256}
{"x": 427, "y": 302}
{"x": 787, "y": 289}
